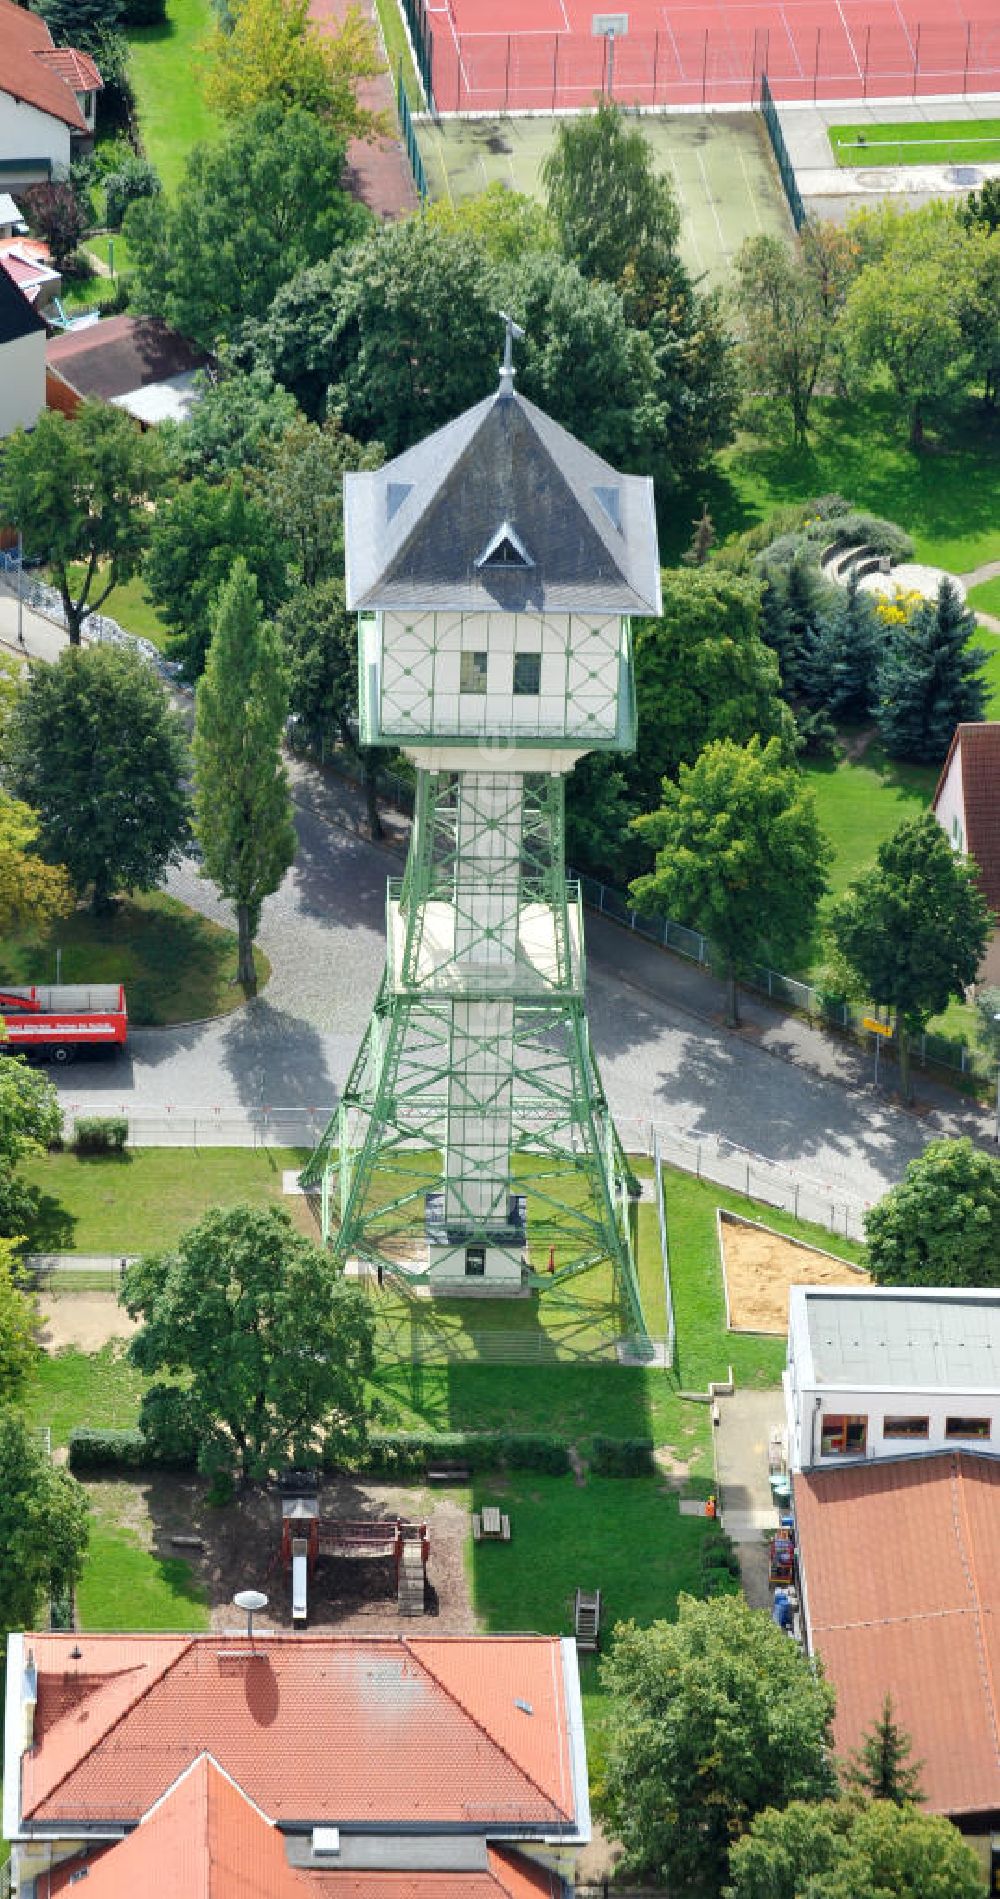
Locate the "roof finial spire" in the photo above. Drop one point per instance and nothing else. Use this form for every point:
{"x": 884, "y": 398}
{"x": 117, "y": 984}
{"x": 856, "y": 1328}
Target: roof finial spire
{"x": 513, "y": 330}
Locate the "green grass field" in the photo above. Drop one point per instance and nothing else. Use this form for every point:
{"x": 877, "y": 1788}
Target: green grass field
{"x": 149, "y": 1196}
{"x": 111, "y": 248}
{"x": 176, "y": 966}
{"x": 860, "y": 803}
{"x": 167, "y": 66}
{"x": 124, "y": 1586}
{"x": 935, "y": 142}
{"x": 948, "y": 497}
{"x": 129, "y": 604}
{"x": 986, "y": 598}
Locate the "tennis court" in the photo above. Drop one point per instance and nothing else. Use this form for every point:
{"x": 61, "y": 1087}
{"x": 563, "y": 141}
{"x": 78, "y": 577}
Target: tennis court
{"x": 720, "y": 165}
{"x": 547, "y": 57}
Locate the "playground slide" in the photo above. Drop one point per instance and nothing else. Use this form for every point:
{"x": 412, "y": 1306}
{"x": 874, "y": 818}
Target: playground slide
{"x": 299, "y": 1582}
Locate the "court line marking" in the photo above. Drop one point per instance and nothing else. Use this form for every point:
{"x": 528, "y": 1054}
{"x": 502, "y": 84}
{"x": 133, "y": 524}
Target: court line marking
{"x": 686, "y": 208}
{"x": 848, "y": 35}
{"x": 711, "y": 200}
{"x": 791, "y": 40}
{"x": 906, "y": 31}
{"x": 750, "y": 190}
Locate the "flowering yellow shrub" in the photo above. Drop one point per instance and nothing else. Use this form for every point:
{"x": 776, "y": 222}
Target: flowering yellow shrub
{"x": 898, "y": 609}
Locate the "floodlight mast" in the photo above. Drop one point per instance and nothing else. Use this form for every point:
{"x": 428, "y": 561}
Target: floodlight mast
{"x": 495, "y": 568}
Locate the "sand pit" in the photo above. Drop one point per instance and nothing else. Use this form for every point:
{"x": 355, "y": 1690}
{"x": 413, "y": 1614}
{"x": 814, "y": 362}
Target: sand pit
{"x": 84, "y": 1319}
{"x": 760, "y": 1265}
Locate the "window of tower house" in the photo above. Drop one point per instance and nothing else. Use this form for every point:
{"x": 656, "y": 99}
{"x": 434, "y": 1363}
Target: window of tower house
{"x": 527, "y": 674}
{"x": 473, "y": 674}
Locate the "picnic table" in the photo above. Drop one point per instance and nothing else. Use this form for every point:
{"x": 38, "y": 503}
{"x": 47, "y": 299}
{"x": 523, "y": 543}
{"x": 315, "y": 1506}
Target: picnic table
{"x": 490, "y": 1523}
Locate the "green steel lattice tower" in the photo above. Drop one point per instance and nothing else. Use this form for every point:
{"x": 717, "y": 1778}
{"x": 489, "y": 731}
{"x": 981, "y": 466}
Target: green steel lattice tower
{"x": 494, "y": 569}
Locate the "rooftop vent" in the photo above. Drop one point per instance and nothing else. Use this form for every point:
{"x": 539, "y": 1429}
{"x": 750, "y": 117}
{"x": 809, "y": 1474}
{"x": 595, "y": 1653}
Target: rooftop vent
{"x": 525, "y": 1706}
{"x": 325, "y": 1841}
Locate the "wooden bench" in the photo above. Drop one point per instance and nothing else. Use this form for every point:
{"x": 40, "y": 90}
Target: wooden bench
{"x": 448, "y": 1473}
{"x": 477, "y": 1527}
{"x": 491, "y": 1525}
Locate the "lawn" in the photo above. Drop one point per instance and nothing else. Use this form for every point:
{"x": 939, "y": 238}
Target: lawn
{"x": 124, "y": 1586}
{"x": 71, "y": 1388}
{"x": 167, "y": 67}
{"x": 986, "y": 597}
{"x": 947, "y": 496}
{"x": 129, "y": 604}
{"x": 146, "y": 1198}
{"x": 945, "y": 142}
{"x": 111, "y": 244}
{"x": 860, "y": 803}
{"x": 176, "y": 965}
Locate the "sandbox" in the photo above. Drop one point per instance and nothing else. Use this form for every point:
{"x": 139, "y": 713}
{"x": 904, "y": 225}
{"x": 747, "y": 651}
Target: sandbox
{"x": 86, "y": 1320}
{"x": 758, "y": 1266}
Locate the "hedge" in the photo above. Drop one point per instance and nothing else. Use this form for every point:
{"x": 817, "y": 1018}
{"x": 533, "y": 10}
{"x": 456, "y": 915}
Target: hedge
{"x": 100, "y": 1134}
{"x": 622, "y": 1457}
{"x": 121, "y": 1450}
{"x": 409, "y": 1453}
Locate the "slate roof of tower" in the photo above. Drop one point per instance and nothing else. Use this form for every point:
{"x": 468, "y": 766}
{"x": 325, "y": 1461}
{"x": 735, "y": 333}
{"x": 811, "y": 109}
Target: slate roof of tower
{"x": 417, "y": 527}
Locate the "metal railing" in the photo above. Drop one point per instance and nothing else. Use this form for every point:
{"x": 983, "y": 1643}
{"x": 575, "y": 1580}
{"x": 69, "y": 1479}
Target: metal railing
{"x": 409, "y": 136}
{"x": 927, "y": 1050}
{"x": 421, "y": 40}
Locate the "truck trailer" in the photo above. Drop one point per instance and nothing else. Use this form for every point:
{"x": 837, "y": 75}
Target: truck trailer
{"x": 61, "y": 1022}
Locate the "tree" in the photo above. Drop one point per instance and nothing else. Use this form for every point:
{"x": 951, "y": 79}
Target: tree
{"x": 54, "y": 211}
{"x": 790, "y": 301}
{"x": 231, "y": 427}
{"x": 30, "y": 1122}
{"x": 940, "y": 1224}
{"x": 270, "y": 52}
{"x": 903, "y": 312}
{"x": 320, "y": 641}
{"x": 80, "y": 492}
{"x": 911, "y": 932}
{"x": 251, "y": 210}
{"x": 507, "y": 224}
{"x": 303, "y": 489}
{"x": 98, "y": 751}
{"x": 18, "y": 1328}
{"x": 275, "y": 1342}
{"x": 44, "y": 1525}
{"x": 79, "y": 23}
{"x": 981, "y": 209}
{"x": 702, "y": 672}
{"x": 616, "y": 218}
{"x": 881, "y": 1768}
{"x": 297, "y": 341}
{"x": 195, "y": 540}
{"x": 839, "y": 659}
{"x": 415, "y": 338}
{"x": 711, "y": 1719}
{"x": 839, "y": 1849}
{"x": 32, "y": 892}
{"x": 740, "y": 855}
{"x": 599, "y": 814}
{"x": 930, "y": 678}
{"x": 702, "y": 540}
{"x": 243, "y": 807}
{"x": 980, "y": 309}
{"x": 132, "y": 179}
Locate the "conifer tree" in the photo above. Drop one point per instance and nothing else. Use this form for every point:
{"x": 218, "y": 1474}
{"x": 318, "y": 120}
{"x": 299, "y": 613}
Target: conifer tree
{"x": 930, "y": 679}
{"x": 881, "y": 1767}
{"x": 840, "y": 656}
{"x": 243, "y": 809}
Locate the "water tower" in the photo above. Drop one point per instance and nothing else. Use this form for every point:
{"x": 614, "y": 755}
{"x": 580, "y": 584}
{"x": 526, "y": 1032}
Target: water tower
{"x": 494, "y": 568}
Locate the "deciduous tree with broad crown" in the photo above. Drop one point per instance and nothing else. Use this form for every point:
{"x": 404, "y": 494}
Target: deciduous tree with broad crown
{"x": 940, "y": 1224}
{"x": 840, "y": 1849}
{"x": 44, "y": 1525}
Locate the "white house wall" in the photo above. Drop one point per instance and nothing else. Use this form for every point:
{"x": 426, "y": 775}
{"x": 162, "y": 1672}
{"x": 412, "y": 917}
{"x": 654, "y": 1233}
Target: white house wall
{"x": 949, "y": 805}
{"x": 22, "y": 382}
{"x": 27, "y": 134}
{"x": 806, "y": 1408}
{"x": 415, "y": 661}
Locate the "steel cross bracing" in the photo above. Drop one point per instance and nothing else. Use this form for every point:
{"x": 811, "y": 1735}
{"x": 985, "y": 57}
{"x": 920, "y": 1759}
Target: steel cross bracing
{"x": 475, "y": 1081}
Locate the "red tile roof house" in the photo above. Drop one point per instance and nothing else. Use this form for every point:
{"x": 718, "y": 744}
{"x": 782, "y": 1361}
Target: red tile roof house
{"x": 48, "y": 98}
{"x": 967, "y": 806}
{"x": 382, "y": 1767}
{"x": 899, "y": 1567}
{"x": 136, "y": 362}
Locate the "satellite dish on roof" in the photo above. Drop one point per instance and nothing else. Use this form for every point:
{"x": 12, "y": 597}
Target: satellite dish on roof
{"x": 251, "y": 1600}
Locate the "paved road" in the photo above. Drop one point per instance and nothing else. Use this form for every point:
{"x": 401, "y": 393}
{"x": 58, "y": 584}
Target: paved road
{"x": 780, "y": 1087}
{"x": 663, "y": 1050}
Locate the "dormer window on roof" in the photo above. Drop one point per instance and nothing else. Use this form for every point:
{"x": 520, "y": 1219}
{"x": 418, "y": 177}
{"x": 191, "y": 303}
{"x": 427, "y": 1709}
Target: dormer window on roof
{"x": 505, "y": 549}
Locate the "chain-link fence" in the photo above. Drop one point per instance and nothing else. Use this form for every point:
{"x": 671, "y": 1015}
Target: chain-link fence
{"x": 211, "y": 1127}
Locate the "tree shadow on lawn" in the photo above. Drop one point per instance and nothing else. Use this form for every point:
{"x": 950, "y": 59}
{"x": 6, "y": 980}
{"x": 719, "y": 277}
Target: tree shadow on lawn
{"x": 52, "y": 1228}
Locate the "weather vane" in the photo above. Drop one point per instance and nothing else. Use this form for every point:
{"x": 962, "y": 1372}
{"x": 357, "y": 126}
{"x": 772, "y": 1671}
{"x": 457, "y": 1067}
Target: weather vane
{"x": 513, "y": 331}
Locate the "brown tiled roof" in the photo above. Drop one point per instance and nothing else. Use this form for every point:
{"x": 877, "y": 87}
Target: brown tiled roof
{"x": 121, "y": 353}
{"x": 76, "y": 70}
{"x": 206, "y": 1840}
{"x": 25, "y": 75}
{"x": 901, "y": 1566}
{"x": 979, "y": 762}
{"x": 384, "y": 1729}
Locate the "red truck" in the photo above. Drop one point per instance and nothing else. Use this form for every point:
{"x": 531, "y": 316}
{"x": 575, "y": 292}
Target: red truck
{"x": 57, "y": 1022}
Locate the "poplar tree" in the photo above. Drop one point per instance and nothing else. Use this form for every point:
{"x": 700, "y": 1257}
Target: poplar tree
{"x": 243, "y": 808}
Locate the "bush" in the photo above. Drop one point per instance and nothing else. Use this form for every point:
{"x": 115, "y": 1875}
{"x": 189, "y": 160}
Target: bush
{"x": 622, "y": 1456}
{"x": 408, "y": 1453}
{"x": 135, "y": 178}
{"x": 165, "y": 1440}
{"x": 145, "y": 12}
{"x": 101, "y": 1134}
{"x": 107, "y": 1450}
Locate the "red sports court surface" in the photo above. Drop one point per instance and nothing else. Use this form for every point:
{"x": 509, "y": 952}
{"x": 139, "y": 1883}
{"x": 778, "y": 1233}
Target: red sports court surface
{"x": 541, "y": 55}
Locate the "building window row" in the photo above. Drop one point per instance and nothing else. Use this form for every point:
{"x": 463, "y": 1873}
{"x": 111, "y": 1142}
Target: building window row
{"x": 847, "y": 1436}
{"x": 527, "y": 673}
